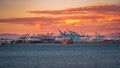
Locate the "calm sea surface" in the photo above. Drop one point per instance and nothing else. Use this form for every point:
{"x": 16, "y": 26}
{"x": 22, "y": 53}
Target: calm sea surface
{"x": 60, "y": 56}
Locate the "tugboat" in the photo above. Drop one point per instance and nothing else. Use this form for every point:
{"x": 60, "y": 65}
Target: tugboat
{"x": 67, "y": 41}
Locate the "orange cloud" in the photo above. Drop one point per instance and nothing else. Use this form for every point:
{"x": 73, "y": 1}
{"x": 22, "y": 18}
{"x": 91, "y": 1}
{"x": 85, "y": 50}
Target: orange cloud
{"x": 92, "y": 13}
{"x": 98, "y": 17}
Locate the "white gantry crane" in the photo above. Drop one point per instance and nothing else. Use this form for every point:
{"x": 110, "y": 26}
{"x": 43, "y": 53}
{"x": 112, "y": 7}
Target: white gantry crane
{"x": 98, "y": 37}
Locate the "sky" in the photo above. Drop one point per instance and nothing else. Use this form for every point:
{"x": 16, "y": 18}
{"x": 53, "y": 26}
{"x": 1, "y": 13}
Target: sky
{"x": 46, "y": 16}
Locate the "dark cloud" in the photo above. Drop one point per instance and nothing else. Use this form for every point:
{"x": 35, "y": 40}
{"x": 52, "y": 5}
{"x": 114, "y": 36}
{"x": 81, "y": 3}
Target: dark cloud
{"x": 29, "y": 19}
{"x": 81, "y": 10}
{"x": 102, "y": 8}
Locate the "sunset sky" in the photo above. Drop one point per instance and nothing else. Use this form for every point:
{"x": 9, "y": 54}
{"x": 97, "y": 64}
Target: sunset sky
{"x": 43, "y": 16}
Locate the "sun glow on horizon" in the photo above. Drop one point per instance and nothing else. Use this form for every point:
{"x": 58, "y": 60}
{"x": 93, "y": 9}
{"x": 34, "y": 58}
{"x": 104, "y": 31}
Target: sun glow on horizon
{"x": 70, "y": 21}
{"x": 37, "y": 26}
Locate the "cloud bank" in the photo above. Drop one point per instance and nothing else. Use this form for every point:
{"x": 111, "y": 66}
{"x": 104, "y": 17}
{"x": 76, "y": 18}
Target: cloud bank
{"x": 96, "y": 17}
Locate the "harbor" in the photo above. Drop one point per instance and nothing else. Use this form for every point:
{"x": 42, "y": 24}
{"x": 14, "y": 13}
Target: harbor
{"x": 64, "y": 37}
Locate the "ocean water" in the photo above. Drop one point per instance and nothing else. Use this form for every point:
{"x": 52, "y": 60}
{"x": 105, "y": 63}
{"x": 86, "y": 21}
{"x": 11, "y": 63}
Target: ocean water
{"x": 60, "y": 56}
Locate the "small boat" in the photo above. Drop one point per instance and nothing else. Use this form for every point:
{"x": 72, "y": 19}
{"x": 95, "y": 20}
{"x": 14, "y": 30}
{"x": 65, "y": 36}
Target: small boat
{"x": 67, "y": 41}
